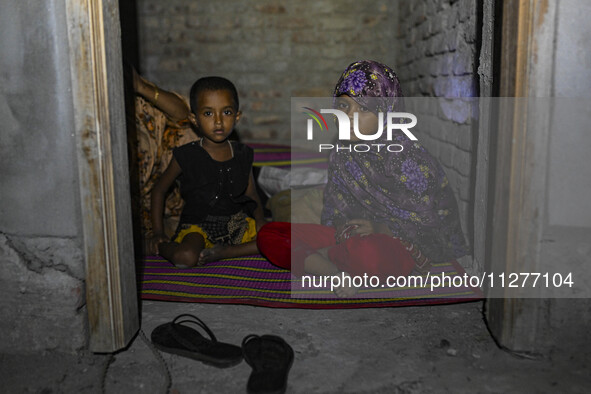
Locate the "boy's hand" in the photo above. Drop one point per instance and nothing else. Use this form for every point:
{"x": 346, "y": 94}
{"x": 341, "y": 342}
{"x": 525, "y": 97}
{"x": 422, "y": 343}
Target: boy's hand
{"x": 155, "y": 240}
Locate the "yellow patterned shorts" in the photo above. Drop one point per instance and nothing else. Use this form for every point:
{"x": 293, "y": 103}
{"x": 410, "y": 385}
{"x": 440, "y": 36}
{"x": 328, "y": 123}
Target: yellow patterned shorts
{"x": 249, "y": 235}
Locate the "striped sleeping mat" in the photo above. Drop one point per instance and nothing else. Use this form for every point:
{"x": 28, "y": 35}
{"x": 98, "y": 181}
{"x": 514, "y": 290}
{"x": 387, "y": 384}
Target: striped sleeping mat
{"x": 253, "y": 280}
{"x": 283, "y": 156}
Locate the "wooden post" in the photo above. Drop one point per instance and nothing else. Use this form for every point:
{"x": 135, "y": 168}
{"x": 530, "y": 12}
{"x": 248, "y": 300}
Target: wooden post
{"x": 99, "y": 116}
{"x": 521, "y": 166}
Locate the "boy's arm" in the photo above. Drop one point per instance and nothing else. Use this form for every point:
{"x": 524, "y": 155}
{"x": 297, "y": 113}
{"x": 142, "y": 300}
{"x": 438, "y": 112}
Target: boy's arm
{"x": 169, "y": 103}
{"x": 157, "y": 196}
{"x": 251, "y": 191}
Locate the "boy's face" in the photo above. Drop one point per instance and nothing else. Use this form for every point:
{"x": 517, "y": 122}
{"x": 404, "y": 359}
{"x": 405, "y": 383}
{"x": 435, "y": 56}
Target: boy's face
{"x": 215, "y": 115}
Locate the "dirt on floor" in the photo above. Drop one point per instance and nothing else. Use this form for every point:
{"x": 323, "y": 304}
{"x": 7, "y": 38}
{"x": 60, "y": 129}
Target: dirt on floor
{"x": 432, "y": 349}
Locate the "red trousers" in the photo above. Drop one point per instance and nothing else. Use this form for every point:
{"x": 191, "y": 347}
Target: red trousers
{"x": 287, "y": 245}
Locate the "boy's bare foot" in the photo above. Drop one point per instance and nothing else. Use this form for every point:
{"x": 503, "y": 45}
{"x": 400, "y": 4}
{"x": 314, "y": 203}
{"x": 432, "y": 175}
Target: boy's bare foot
{"x": 212, "y": 254}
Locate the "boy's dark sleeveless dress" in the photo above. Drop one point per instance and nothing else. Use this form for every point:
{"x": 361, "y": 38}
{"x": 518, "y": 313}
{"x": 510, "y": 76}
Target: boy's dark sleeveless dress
{"x": 214, "y": 194}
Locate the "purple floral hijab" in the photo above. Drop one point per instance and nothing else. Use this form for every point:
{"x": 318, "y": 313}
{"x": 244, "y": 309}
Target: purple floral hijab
{"x": 369, "y": 83}
{"x": 408, "y": 190}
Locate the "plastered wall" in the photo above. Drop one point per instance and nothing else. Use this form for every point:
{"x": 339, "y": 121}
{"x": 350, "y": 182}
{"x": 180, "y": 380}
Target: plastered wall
{"x": 41, "y": 258}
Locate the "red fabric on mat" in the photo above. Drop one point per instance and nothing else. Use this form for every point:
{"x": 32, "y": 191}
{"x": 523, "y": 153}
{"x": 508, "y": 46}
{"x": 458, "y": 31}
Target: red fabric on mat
{"x": 287, "y": 245}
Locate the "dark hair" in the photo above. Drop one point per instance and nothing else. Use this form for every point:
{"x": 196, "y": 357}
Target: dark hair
{"x": 212, "y": 83}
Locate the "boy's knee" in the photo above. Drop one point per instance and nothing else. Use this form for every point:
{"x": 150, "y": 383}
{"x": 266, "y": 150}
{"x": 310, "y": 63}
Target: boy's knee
{"x": 185, "y": 258}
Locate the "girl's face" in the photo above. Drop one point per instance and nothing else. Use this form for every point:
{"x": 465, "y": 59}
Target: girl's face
{"x": 368, "y": 121}
{"x": 215, "y": 115}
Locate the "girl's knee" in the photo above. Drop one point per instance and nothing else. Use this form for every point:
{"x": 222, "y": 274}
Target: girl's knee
{"x": 366, "y": 246}
{"x": 378, "y": 254}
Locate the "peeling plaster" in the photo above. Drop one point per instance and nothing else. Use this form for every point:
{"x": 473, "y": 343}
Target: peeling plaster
{"x": 44, "y": 253}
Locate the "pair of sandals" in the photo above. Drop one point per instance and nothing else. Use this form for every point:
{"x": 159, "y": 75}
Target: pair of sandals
{"x": 269, "y": 355}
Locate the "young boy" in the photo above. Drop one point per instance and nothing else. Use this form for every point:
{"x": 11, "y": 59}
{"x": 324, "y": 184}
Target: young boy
{"x": 222, "y": 211}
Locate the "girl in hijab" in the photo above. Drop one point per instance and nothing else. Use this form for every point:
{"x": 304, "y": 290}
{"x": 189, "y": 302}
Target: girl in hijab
{"x": 384, "y": 213}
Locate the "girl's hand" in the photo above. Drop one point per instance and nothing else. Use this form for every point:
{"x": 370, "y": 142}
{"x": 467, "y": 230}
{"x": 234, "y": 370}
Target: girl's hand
{"x": 344, "y": 232}
{"x": 339, "y": 226}
{"x": 363, "y": 227}
{"x": 155, "y": 240}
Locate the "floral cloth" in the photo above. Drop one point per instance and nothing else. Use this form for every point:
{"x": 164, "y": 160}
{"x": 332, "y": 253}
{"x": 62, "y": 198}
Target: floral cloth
{"x": 407, "y": 190}
{"x": 157, "y": 135}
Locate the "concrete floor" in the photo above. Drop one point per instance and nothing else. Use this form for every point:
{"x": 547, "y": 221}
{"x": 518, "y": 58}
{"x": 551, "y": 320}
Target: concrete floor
{"x": 438, "y": 349}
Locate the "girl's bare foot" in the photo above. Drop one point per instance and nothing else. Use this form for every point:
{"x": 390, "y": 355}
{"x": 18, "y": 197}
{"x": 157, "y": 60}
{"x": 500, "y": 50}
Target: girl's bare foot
{"x": 347, "y": 290}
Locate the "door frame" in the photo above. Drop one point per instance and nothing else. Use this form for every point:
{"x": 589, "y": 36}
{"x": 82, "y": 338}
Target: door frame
{"x": 520, "y": 184}
{"x": 97, "y": 88}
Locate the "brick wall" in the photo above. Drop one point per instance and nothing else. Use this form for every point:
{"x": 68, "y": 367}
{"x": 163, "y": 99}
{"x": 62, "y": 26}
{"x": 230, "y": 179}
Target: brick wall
{"x": 271, "y": 50}
{"x": 438, "y": 54}
{"x": 274, "y": 50}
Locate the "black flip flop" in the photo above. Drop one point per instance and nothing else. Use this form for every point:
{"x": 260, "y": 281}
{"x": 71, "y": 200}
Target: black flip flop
{"x": 270, "y": 358}
{"x": 176, "y": 338}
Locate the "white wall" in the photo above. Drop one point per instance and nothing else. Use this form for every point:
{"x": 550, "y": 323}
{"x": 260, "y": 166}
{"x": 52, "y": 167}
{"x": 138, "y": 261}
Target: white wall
{"x": 570, "y": 145}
